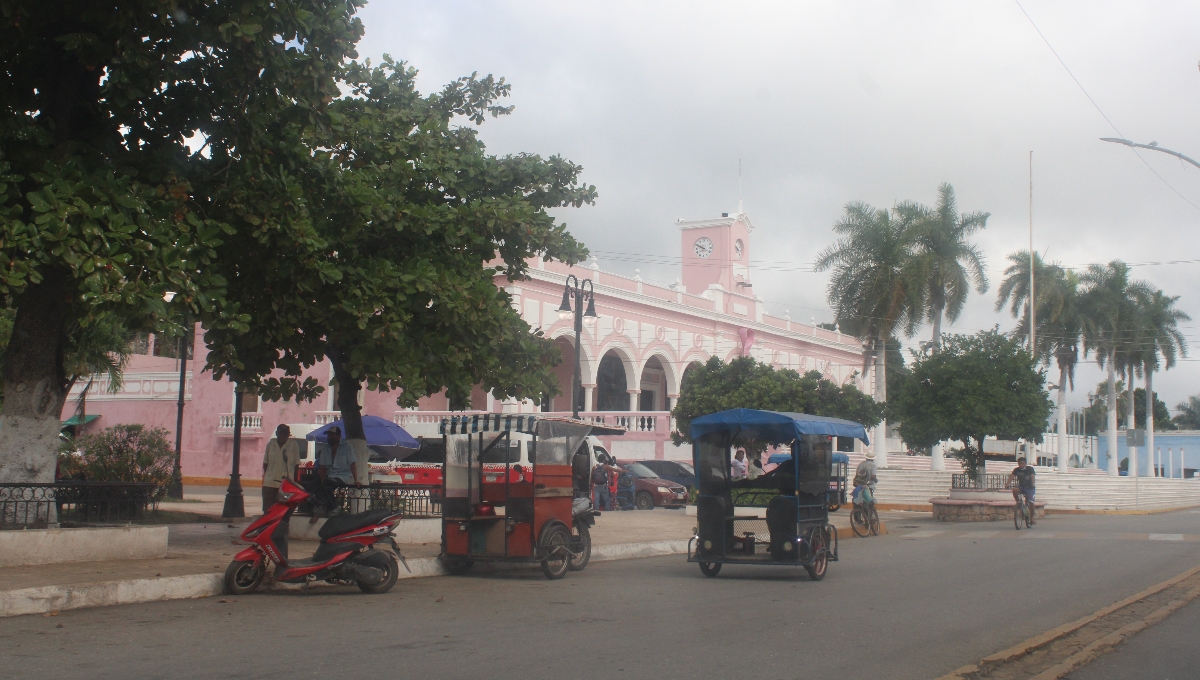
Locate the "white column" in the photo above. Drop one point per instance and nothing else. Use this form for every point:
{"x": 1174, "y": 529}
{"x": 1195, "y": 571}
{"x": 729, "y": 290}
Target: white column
{"x": 587, "y": 397}
{"x": 938, "y": 456}
{"x": 633, "y": 399}
{"x": 1170, "y": 463}
{"x": 879, "y": 445}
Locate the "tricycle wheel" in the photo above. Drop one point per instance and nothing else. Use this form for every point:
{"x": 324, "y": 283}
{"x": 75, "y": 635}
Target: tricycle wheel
{"x": 710, "y": 569}
{"x": 457, "y": 566}
{"x": 644, "y": 501}
{"x": 243, "y": 577}
{"x": 581, "y": 538}
{"x": 556, "y": 546}
{"x": 391, "y": 571}
{"x": 820, "y": 550}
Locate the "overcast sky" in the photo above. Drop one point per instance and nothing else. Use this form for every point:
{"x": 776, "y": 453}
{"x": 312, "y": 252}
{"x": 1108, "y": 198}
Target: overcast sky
{"x": 829, "y": 103}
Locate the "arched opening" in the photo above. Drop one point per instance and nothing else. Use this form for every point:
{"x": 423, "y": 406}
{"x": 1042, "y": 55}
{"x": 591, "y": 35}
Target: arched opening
{"x": 654, "y": 386}
{"x": 688, "y": 373}
{"x": 565, "y": 374}
{"x": 612, "y": 386}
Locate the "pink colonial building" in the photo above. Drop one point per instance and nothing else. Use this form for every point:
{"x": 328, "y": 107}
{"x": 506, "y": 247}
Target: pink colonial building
{"x": 633, "y": 360}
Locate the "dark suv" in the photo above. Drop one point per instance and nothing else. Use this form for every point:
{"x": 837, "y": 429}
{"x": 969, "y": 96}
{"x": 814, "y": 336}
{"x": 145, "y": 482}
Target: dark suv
{"x": 650, "y": 490}
{"x": 677, "y": 471}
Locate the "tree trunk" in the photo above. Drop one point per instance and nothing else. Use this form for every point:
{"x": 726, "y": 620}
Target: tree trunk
{"x": 347, "y": 397}
{"x": 936, "y": 340}
{"x": 1060, "y": 442}
{"x": 1130, "y": 425}
{"x": 35, "y": 387}
{"x": 1150, "y": 452}
{"x": 881, "y": 396}
{"x": 1113, "y": 454}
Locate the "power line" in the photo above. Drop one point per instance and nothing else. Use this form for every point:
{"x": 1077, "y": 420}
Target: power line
{"x": 1101, "y": 111}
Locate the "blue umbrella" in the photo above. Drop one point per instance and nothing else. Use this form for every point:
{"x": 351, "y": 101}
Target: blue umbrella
{"x": 379, "y": 431}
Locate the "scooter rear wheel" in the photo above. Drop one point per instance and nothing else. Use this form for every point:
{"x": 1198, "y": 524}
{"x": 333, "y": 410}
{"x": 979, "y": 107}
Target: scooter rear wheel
{"x": 556, "y": 546}
{"x": 390, "y": 573}
{"x": 243, "y": 578}
{"x": 582, "y": 537}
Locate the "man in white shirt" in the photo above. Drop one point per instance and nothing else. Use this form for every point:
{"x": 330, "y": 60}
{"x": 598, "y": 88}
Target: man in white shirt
{"x": 279, "y": 463}
{"x": 738, "y": 467}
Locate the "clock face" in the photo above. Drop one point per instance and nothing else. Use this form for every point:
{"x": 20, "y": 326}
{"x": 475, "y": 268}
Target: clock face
{"x": 737, "y": 249}
{"x": 703, "y": 247}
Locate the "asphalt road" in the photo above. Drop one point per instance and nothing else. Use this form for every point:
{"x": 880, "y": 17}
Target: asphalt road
{"x": 895, "y": 606}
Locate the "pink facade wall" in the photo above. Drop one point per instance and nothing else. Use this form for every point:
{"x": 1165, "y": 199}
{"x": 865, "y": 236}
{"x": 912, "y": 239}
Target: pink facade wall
{"x": 639, "y": 321}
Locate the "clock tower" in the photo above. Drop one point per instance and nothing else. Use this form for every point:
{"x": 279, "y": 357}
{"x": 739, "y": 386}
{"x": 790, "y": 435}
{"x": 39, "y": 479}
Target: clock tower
{"x": 717, "y": 251}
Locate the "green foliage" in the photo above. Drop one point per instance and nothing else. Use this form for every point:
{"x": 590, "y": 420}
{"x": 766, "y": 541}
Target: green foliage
{"x": 122, "y": 453}
{"x": 1188, "y": 417}
{"x": 384, "y": 257}
{"x": 746, "y": 383}
{"x": 976, "y": 386}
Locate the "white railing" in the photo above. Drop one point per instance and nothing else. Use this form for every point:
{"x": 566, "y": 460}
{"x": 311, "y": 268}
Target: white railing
{"x": 659, "y": 422}
{"x": 326, "y": 417}
{"x": 251, "y": 423}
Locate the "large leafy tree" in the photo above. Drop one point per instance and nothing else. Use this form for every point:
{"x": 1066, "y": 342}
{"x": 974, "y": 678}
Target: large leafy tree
{"x": 391, "y": 277}
{"x": 1109, "y": 300}
{"x": 102, "y": 205}
{"x": 949, "y": 263}
{"x": 746, "y": 383}
{"x": 875, "y": 290}
{"x": 977, "y": 386}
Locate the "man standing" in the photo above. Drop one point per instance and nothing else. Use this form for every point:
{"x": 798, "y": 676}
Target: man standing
{"x": 336, "y": 467}
{"x": 279, "y": 463}
{"x": 738, "y": 466}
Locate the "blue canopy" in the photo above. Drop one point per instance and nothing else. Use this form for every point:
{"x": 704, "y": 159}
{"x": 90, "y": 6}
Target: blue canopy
{"x": 778, "y": 458}
{"x": 774, "y": 427}
{"x": 379, "y": 432}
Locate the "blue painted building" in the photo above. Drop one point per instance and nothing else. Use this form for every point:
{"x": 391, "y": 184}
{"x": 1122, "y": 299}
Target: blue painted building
{"x": 1184, "y": 443}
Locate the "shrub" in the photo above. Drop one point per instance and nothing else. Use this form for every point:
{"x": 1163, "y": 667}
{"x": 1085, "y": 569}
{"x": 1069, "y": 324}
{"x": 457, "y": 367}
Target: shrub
{"x": 122, "y": 453}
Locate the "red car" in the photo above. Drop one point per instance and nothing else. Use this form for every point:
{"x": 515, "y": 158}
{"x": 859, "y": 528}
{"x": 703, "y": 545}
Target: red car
{"x": 651, "y": 491}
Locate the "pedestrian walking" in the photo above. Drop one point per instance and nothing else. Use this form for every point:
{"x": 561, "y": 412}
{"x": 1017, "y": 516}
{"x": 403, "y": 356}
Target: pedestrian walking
{"x": 738, "y": 466}
{"x": 280, "y": 461}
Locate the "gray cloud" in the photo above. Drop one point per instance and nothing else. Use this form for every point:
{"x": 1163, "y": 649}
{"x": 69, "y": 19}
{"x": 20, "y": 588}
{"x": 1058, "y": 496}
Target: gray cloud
{"x": 873, "y": 101}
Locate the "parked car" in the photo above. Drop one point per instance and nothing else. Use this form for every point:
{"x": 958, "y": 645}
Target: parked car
{"x": 676, "y": 471}
{"x": 651, "y": 490}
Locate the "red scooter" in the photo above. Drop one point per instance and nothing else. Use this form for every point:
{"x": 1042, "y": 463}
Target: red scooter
{"x": 346, "y": 556}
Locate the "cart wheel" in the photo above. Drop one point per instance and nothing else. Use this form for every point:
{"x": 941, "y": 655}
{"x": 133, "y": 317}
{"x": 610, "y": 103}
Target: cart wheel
{"x": 581, "y": 537}
{"x": 243, "y": 578}
{"x": 556, "y": 546}
{"x": 710, "y": 569}
{"x": 816, "y": 570}
{"x": 456, "y": 565}
{"x": 858, "y": 521}
{"x": 644, "y": 501}
{"x": 873, "y": 520}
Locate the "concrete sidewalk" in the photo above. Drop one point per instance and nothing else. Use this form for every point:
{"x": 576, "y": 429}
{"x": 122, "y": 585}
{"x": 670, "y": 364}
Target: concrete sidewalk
{"x": 198, "y": 554}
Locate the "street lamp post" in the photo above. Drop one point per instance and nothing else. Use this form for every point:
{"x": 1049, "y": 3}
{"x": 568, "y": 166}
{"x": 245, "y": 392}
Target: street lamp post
{"x": 579, "y": 291}
{"x": 235, "y": 503}
{"x": 175, "y": 488}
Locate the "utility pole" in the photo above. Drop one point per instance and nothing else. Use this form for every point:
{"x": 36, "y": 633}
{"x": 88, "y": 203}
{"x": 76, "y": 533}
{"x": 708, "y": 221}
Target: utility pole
{"x": 1032, "y": 267}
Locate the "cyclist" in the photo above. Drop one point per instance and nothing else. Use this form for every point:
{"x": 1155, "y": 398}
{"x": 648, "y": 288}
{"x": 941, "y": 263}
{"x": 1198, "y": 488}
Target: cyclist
{"x": 864, "y": 475}
{"x": 1024, "y": 476}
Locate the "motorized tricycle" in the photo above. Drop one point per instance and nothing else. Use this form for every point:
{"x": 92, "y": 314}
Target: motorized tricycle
{"x": 796, "y": 529}
{"x": 539, "y": 512}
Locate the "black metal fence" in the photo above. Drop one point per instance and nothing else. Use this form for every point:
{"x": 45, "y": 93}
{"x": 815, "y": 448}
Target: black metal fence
{"x": 417, "y": 502}
{"x": 39, "y": 505}
{"x": 988, "y": 482}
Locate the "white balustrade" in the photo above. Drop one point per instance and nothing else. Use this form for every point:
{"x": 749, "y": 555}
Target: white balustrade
{"x": 251, "y": 422}
{"x": 326, "y": 417}
{"x": 633, "y": 421}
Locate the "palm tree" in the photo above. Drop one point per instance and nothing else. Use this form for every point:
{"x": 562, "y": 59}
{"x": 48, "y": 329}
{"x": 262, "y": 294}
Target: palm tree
{"x": 1109, "y": 311}
{"x": 948, "y": 262}
{"x": 1188, "y": 417}
{"x": 1060, "y": 322}
{"x": 1158, "y": 334}
{"x": 873, "y": 290}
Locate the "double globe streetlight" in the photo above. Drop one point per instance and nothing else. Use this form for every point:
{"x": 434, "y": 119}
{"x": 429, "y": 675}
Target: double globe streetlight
{"x": 578, "y": 291}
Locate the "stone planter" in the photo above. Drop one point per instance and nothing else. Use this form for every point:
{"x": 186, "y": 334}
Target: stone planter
{"x": 979, "y": 510}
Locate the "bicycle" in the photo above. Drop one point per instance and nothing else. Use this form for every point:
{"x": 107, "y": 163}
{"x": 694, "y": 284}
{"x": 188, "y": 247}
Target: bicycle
{"x": 864, "y": 518}
{"x": 1022, "y": 511}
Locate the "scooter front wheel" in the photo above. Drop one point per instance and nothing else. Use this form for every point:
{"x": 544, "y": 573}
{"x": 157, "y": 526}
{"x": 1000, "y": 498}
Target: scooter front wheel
{"x": 242, "y": 577}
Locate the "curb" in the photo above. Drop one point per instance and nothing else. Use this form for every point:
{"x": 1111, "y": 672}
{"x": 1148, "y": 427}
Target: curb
{"x": 53, "y": 599}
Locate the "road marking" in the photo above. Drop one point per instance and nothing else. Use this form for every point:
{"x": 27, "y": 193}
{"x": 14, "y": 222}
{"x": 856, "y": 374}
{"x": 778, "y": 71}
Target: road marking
{"x": 980, "y": 534}
{"x": 1166, "y": 537}
{"x": 923, "y": 534}
{"x": 1037, "y": 534}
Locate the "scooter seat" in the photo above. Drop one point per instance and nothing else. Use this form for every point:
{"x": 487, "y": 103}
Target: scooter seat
{"x": 340, "y": 524}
